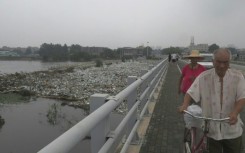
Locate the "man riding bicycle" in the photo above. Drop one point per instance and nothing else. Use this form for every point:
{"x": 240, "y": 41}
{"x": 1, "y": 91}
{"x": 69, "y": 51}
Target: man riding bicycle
{"x": 221, "y": 91}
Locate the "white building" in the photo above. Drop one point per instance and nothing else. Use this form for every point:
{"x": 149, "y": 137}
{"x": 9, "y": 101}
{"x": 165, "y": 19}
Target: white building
{"x": 200, "y": 47}
{"x": 8, "y": 53}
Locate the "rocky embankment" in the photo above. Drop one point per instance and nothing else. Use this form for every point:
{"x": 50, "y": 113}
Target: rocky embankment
{"x": 74, "y": 84}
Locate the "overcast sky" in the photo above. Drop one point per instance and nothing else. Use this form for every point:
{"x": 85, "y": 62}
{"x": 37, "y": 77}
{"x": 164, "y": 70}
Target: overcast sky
{"x": 122, "y": 23}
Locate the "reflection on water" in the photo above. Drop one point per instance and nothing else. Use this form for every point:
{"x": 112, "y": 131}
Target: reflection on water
{"x": 29, "y": 66}
{"x": 13, "y": 98}
{"x": 26, "y": 126}
{"x": 52, "y": 114}
{"x": 2, "y": 122}
{"x": 31, "y": 126}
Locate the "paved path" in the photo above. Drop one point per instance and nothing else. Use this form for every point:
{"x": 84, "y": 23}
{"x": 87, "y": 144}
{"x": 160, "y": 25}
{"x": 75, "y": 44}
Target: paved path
{"x": 165, "y": 131}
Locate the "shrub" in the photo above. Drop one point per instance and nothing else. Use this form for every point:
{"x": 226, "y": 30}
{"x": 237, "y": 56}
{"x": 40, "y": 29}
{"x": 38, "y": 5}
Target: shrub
{"x": 98, "y": 62}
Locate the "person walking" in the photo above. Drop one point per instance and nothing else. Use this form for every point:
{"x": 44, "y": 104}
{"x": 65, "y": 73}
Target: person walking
{"x": 169, "y": 57}
{"x": 221, "y": 91}
{"x": 190, "y": 72}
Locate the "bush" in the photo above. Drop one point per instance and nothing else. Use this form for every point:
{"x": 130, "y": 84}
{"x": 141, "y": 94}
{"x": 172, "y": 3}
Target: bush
{"x": 98, "y": 62}
{"x": 123, "y": 59}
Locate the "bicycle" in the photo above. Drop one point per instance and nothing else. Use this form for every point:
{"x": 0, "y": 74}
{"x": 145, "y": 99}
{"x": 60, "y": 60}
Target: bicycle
{"x": 191, "y": 145}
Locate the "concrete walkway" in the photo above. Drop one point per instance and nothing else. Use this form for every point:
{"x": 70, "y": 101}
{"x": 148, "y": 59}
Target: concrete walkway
{"x": 165, "y": 131}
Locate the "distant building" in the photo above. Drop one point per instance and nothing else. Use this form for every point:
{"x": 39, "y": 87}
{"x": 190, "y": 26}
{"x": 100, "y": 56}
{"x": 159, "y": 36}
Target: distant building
{"x": 200, "y": 47}
{"x": 8, "y": 53}
{"x": 130, "y": 52}
{"x": 240, "y": 54}
{"x": 95, "y": 51}
{"x": 157, "y": 53}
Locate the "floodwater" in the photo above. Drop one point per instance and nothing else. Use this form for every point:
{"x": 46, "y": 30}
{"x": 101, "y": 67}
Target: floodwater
{"x": 28, "y": 127}
{"x": 28, "y": 66}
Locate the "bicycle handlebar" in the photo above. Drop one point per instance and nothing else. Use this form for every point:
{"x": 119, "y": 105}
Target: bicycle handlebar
{"x": 206, "y": 118}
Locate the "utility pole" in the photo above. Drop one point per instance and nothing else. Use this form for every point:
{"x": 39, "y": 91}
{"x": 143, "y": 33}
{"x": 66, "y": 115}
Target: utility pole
{"x": 147, "y": 50}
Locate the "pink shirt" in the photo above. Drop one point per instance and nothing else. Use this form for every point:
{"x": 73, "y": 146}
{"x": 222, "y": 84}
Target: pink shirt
{"x": 189, "y": 75}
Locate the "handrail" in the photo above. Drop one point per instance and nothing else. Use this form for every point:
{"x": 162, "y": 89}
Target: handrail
{"x": 130, "y": 137}
{"x": 207, "y": 118}
{"x": 78, "y": 132}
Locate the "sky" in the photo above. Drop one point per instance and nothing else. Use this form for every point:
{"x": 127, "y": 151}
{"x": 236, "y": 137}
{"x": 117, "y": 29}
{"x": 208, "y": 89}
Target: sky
{"x": 122, "y": 23}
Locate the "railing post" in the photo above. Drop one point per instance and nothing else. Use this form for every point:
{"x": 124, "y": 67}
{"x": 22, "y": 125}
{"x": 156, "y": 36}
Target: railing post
{"x": 152, "y": 77}
{"x": 131, "y": 99}
{"x": 100, "y": 132}
{"x": 143, "y": 86}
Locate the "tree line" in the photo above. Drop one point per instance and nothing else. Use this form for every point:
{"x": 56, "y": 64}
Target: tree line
{"x": 57, "y": 52}
{"x": 75, "y": 52}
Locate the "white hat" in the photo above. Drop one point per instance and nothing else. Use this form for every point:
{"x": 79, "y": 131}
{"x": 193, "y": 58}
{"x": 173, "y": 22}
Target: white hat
{"x": 194, "y": 54}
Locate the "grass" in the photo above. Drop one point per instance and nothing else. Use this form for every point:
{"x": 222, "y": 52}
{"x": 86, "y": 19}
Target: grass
{"x": 13, "y": 98}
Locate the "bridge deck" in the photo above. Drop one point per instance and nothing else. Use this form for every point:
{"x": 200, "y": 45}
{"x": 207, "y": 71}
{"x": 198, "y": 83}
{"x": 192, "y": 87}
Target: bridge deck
{"x": 165, "y": 131}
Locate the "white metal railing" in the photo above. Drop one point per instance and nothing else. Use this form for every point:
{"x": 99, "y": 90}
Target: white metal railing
{"x": 103, "y": 140}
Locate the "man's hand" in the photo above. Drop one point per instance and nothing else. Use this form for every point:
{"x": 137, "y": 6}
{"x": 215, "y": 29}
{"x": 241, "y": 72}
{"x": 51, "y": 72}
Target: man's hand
{"x": 238, "y": 108}
{"x": 182, "y": 108}
{"x": 233, "y": 118}
{"x": 185, "y": 103}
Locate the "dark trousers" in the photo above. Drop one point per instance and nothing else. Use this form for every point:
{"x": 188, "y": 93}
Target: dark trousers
{"x": 227, "y": 145}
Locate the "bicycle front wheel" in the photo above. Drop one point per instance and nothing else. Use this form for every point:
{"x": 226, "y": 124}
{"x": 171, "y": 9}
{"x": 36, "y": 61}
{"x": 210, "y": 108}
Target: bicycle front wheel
{"x": 189, "y": 140}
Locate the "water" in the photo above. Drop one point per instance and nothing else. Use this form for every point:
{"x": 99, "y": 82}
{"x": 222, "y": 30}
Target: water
{"x": 27, "y": 129}
{"x": 28, "y": 66}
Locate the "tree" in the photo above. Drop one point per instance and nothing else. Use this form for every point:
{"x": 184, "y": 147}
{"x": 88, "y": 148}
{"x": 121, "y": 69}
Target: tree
{"x": 171, "y": 50}
{"x": 28, "y": 51}
{"x": 53, "y": 52}
{"x": 109, "y": 54}
{"x": 18, "y": 50}
{"x": 212, "y": 48}
{"x": 75, "y": 53}
{"x": 233, "y": 50}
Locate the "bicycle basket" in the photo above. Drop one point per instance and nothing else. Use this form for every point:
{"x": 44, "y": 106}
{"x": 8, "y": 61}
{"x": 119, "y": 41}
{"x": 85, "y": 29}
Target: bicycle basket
{"x": 191, "y": 121}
